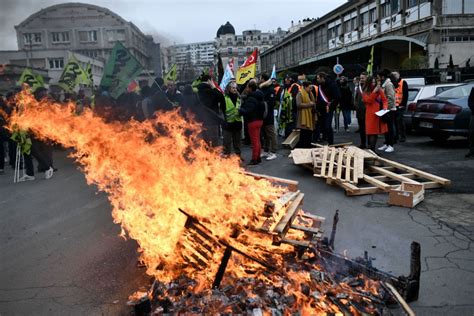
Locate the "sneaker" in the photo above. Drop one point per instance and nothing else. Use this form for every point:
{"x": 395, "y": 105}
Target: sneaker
{"x": 26, "y": 178}
{"x": 389, "y": 149}
{"x": 48, "y": 173}
{"x": 264, "y": 154}
{"x": 272, "y": 156}
{"x": 383, "y": 147}
{"x": 402, "y": 140}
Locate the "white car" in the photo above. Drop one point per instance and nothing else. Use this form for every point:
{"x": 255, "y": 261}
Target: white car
{"x": 416, "y": 93}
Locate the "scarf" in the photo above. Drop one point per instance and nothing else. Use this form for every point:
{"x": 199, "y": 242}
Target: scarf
{"x": 306, "y": 117}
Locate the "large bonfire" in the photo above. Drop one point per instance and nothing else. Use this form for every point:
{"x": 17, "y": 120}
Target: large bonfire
{"x": 152, "y": 169}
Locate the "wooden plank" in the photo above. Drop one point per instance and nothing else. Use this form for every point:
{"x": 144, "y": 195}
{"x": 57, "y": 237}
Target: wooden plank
{"x": 384, "y": 186}
{"x": 348, "y": 167}
{"x": 331, "y": 162}
{"x": 311, "y": 216}
{"x": 292, "y": 139}
{"x": 305, "y": 229}
{"x": 299, "y": 243}
{"x": 392, "y": 175}
{"x": 323, "y": 164}
{"x": 292, "y": 185}
{"x": 284, "y": 224}
{"x": 356, "y": 164}
{"x": 420, "y": 173}
{"x": 360, "y": 167}
{"x": 339, "y": 164}
{"x": 385, "y": 178}
{"x": 302, "y": 156}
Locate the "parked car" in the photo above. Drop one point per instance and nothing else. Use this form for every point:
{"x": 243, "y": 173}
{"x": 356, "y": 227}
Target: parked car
{"x": 444, "y": 115}
{"x": 415, "y": 81}
{"x": 416, "y": 93}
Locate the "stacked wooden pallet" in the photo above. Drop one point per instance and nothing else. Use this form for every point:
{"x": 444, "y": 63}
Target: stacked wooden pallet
{"x": 361, "y": 172}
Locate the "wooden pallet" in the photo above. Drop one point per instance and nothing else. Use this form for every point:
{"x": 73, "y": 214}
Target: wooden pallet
{"x": 361, "y": 172}
{"x": 284, "y": 216}
{"x": 382, "y": 175}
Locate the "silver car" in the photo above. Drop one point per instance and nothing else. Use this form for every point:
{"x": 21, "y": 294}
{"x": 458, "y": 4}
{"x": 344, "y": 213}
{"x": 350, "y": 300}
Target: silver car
{"x": 416, "y": 93}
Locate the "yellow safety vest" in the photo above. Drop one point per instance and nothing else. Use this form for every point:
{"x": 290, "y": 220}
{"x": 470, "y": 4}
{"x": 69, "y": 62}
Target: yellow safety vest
{"x": 232, "y": 110}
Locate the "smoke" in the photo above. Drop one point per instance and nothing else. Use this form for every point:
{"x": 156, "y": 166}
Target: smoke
{"x": 164, "y": 38}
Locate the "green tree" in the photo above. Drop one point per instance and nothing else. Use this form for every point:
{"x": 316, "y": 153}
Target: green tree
{"x": 417, "y": 61}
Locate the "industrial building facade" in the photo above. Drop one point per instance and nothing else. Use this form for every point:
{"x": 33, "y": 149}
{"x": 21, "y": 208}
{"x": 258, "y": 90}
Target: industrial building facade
{"x": 433, "y": 30}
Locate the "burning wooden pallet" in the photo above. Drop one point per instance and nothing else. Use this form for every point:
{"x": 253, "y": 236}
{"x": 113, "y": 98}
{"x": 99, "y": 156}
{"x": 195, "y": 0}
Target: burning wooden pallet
{"x": 361, "y": 172}
{"x": 327, "y": 269}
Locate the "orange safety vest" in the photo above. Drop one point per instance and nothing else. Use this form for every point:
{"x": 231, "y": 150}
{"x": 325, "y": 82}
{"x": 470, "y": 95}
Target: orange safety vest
{"x": 277, "y": 88}
{"x": 291, "y": 87}
{"x": 399, "y": 93}
{"x": 316, "y": 90}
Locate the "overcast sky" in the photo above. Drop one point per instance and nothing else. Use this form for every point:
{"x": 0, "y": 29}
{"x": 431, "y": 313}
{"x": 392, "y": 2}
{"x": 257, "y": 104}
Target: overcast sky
{"x": 180, "y": 21}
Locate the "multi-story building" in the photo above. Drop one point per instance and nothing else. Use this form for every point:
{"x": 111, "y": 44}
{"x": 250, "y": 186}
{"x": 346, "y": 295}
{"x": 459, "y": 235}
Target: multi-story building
{"x": 432, "y": 30}
{"x": 229, "y": 45}
{"x": 46, "y": 37}
{"x": 190, "y": 58}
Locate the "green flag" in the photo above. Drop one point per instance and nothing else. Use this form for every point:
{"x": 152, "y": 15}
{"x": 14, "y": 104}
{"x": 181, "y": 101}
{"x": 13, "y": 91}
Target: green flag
{"x": 90, "y": 77}
{"x": 122, "y": 67}
{"x": 370, "y": 65}
{"x": 33, "y": 81}
{"x": 172, "y": 75}
{"x": 72, "y": 75}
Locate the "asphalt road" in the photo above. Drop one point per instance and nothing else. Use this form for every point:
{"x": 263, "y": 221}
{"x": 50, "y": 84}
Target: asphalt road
{"x": 60, "y": 253}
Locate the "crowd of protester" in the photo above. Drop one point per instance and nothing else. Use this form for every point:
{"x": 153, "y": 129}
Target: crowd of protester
{"x": 260, "y": 113}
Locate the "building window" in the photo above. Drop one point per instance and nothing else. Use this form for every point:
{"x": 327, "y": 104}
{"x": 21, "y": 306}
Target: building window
{"x": 60, "y": 37}
{"x": 452, "y": 6}
{"x": 364, "y": 18}
{"x": 373, "y": 15}
{"x": 229, "y": 50}
{"x": 386, "y": 10}
{"x": 88, "y": 36}
{"x": 412, "y": 3}
{"x": 115, "y": 35}
{"x": 32, "y": 38}
{"x": 56, "y": 63}
{"x": 347, "y": 26}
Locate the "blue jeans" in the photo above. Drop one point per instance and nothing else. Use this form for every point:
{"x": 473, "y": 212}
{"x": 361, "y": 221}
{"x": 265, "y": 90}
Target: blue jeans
{"x": 347, "y": 118}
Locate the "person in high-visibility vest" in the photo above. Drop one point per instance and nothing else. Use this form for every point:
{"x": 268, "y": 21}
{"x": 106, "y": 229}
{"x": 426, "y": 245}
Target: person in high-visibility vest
{"x": 401, "y": 100}
{"x": 232, "y": 127}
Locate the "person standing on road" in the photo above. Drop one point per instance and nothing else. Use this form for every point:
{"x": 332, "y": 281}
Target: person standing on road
{"x": 390, "y": 118}
{"x": 374, "y": 98}
{"x": 360, "y": 109}
{"x": 401, "y": 100}
{"x": 253, "y": 109}
{"x": 232, "y": 126}
{"x": 326, "y": 104}
{"x": 347, "y": 102}
{"x": 306, "y": 106}
{"x": 470, "y": 103}
{"x": 269, "y": 133}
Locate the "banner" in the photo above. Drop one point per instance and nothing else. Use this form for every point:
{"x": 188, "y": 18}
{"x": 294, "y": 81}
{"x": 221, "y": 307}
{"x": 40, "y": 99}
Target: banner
{"x": 33, "y": 81}
{"x": 121, "y": 68}
{"x": 370, "y": 65}
{"x": 228, "y": 76}
{"x": 248, "y": 69}
{"x": 231, "y": 64}
{"x": 172, "y": 75}
{"x": 274, "y": 73}
{"x": 90, "y": 77}
{"x": 220, "y": 68}
{"x": 72, "y": 75}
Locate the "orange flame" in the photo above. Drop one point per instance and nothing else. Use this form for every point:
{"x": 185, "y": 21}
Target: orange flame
{"x": 151, "y": 169}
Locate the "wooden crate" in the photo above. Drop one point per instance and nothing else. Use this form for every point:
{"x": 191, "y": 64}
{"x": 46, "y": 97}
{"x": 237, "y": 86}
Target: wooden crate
{"x": 407, "y": 195}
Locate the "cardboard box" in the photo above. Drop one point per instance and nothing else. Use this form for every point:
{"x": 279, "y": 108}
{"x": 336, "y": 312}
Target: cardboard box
{"x": 407, "y": 195}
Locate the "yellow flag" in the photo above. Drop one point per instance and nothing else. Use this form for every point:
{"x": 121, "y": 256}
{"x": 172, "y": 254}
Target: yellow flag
{"x": 370, "y": 65}
{"x": 248, "y": 69}
{"x": 32, "y": 80}
{"x": 172, "y": 75}
{"x": 72, "y": 75}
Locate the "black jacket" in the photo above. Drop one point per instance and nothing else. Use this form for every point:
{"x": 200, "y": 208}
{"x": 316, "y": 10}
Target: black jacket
{"x": 331, "y": 91}
{"x": 269, "y": 97}
{"x": 252, "y": 107}
{"x": 212, "y": 98}
{"x": 346, "y": 98}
